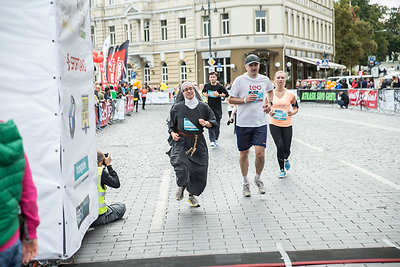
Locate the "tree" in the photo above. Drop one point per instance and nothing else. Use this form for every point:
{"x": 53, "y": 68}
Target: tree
{"x": 392, "y": 26}
{"x": 348, "y": 47}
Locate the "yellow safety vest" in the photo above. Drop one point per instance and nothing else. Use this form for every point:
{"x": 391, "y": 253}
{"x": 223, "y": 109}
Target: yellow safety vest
{"x": 102, "y": 193}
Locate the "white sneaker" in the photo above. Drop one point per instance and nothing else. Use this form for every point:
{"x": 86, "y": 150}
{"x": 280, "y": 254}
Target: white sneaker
{"x": 246, "y": 190}
{"x": 212, "y": 144}
{"x": 260, "y": 186}
{"x": 216, "y": 143}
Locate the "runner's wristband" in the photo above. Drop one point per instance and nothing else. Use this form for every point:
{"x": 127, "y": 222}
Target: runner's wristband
{"x": 244, "y": 100}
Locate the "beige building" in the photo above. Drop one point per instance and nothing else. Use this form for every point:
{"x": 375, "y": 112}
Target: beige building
{"x": 170, "y": 40}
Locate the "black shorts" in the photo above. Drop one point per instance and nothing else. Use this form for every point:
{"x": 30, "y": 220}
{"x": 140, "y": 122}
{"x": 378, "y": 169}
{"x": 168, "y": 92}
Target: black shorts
{"x": 251, "y": 136}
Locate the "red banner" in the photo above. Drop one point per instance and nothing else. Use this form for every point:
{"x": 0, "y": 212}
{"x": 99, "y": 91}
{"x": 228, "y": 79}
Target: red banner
{"x": 129, "y": 104}
{"x": 369, "y": 98}
{"x": 116, "y": 63}
{"x": 103, "y": 75}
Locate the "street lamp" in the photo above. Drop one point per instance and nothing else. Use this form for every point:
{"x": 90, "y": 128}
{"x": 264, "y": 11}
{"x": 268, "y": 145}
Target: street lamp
{"x": 289, "y": 65}
{"x": 209, "y": 22}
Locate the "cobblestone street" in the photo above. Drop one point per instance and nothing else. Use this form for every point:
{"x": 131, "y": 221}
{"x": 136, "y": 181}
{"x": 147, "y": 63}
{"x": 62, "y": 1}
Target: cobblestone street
{"x": 343, "y": 190}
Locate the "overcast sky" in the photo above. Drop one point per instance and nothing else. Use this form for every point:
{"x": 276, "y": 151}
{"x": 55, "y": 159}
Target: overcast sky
{"x": 389, "y": 3}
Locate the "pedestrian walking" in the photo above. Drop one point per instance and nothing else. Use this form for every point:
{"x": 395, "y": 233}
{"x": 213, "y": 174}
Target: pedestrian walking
{"x": 136, "y": 98}
{"x": 143, "y": 91}
{"x": 280, "y": 124}
{"x": 214, "y": 91}
{"x": 189, "y": 153}
{"x": 252, "y": 92}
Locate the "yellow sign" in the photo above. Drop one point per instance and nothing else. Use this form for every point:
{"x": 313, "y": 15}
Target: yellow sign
{"x": 211, "y": 62}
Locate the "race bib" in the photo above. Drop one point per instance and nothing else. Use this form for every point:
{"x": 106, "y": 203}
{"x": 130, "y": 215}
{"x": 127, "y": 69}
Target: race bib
{"x": 188, "y": 125}
{"x": 280, "y": 115}
{"x": 211, "y": 93}
{"x": 260, "y": 95}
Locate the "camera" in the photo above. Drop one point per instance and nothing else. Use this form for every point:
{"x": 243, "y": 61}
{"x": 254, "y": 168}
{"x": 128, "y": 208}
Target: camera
{"x": 105, "y": 156}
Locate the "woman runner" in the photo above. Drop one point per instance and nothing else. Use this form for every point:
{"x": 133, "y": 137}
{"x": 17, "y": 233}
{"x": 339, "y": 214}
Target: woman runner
{"x": 283, "y": 108}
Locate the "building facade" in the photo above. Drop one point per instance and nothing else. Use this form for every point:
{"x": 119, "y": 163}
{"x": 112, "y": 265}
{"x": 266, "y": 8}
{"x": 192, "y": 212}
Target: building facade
{"x": 176, "y": 40}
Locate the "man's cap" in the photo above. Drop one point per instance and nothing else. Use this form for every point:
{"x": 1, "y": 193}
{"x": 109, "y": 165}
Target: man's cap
{"x": 251, "y": 59}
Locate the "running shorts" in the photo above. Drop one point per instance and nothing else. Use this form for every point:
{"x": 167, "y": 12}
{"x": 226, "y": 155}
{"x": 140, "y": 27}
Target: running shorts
{"x": 251, "y": 136}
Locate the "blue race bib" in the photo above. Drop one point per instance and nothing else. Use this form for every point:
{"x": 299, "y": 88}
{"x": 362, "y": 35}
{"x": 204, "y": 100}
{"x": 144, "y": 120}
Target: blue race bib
{"x": 211, "y": 93}
{"x": 280, "y": 115}
{"x": 260, "y": 95}
{"x": 188, "y": 125}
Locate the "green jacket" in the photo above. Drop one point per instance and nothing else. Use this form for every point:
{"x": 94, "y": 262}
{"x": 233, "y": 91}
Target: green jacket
{"x": 12, "y": 168}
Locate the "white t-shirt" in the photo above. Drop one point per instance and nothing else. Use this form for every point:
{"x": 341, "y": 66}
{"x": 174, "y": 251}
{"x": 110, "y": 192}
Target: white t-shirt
{"x": 251, "y": 114}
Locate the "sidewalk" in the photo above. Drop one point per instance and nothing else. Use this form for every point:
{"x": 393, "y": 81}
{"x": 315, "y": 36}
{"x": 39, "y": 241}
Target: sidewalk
{"x": 343, "y": 191}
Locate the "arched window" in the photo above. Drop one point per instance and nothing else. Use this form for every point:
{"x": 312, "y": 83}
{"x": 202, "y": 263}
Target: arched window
{"x": 183, "y": 72}
{"x": 164, "y": 73}
{"x": 146, "y": 74}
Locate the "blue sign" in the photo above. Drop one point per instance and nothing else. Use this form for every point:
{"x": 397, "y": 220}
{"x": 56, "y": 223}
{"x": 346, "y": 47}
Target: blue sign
{"x": 133, "y": 75}
{"x": 325, "y": 63}
{"x": 219, "y": 65}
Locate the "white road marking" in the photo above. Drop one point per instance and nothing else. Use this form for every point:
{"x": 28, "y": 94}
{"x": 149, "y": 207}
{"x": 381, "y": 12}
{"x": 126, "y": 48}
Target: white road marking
{"x": 306, "y": 144}
{"x": 390, "y": 243}
{"x": 381, "y": 127}
{"x": 285, "y": 256}
{"x": 161, "y": 203}
{"x": 371, "y": 174}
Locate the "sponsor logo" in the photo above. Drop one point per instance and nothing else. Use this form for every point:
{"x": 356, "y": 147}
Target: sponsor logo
{"x": 75, "y": 64}
{"x": 81, "y": 168}
{"x": 254, "y": 87}
{"x": 71, "y": 118}
{"x": 82, "y": 211}
{"x": 85, "y": 113}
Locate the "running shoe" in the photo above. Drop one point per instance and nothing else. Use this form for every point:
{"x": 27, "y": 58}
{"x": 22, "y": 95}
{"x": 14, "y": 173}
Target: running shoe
{"x": 216, "y": 143}
{"x": 193, "y": 201}
{"x": 287, "y": 164}
{"x": 282, "y": 174}
{"x": 179, "y": 193}
{"x": 260, "y": 186}
{"x": 212, "y": 144}
{"x": 246, "y": 190}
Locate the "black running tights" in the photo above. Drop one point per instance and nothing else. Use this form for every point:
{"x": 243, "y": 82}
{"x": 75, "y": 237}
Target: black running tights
{"x": 283, "y": 139}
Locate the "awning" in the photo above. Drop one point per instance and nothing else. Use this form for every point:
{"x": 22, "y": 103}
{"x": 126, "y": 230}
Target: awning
{"x": 313, "y": 61}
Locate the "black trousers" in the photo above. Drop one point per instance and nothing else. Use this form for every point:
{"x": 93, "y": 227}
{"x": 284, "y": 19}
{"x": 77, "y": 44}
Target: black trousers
{"x": 214, "y": 131}
{"x": 114, "y": 212}
{"x": 143, "y": 102}
{"x": 283, "y": 139}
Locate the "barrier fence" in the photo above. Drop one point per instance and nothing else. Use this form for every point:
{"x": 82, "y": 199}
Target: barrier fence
{"x": 381, "y": 100}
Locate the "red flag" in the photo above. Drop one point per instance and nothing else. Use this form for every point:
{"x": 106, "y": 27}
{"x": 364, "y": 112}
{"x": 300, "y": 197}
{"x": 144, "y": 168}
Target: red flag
{"x": 116, "y": 63}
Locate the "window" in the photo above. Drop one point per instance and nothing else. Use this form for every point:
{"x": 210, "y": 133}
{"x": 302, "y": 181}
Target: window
{"x": 93, "y": 36}
{"x": 146, "y": 31}
{"x": 146, "y": 74}
{"x": 182, "y": 28}
{"x": 127, "y": 32}
{"x": 109, "y": 2}
{"x": 260, "y": 21}
{"x": 92, "y": 3}
{"x": 164, "y": 73}
{"x": 164, "y": 30}
{"x": 206, "y": 23}
{"x": 225, "y": 23}
{"x": 183, "y": 72}
{"x": 112, "y": 35}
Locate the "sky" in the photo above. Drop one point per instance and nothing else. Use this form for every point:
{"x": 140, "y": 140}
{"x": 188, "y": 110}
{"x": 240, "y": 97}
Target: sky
{"x": 389, "y": 3}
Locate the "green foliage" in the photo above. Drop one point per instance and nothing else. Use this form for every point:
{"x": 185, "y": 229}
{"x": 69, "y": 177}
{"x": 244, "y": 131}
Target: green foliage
{"x": 373, "y": 33}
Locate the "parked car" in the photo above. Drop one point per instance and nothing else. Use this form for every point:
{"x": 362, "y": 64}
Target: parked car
{"x": 347, "y": 79}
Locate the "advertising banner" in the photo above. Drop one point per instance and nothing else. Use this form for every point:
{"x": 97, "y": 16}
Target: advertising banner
{"x": 52, "y": 106}
{"x": 129, "y": 104}
{"x": 368, "y": 98}
{"x": 116, "y": 63}
{"x": 158, "y": 98}
{"x": 320, "y": 96}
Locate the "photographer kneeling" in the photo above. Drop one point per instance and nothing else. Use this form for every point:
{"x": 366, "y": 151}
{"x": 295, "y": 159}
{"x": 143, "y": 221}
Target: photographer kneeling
{"x": 107, "y": 177}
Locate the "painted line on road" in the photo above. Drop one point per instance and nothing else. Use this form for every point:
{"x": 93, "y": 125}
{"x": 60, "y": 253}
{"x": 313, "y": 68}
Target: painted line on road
{"x": 306, "y": 144}
{"x": 371, "y": 174}
{"x": 285, "y": 256}
{"x": 390, "y": 243}
{"x": 381, "y": 127}
{"x": 161, "y": 203}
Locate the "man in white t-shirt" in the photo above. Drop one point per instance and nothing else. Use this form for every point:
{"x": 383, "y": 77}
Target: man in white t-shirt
{"x": 253, "y": 93}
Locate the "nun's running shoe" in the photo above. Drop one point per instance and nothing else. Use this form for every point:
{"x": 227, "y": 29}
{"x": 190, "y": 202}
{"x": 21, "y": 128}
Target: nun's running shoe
{"x": 246, "y": 190}
{"x": 179, "y": 193}
{"x": 287, "y": 164}
{"x": 282, "y": 174}
{"x": 193, "y": 201}
{"x": 260, "y": 186}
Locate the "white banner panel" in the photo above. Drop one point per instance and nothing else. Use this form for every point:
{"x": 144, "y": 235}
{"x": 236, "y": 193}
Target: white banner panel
{"x": 158, "y": 98}
{"x": 29, "y": 81}
{"x": 79, "y": 158}
{"x": 46, "y": 75}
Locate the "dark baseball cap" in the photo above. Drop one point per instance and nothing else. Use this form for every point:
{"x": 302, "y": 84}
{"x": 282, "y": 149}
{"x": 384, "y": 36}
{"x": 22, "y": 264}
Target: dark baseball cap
{"x": 251, "y": 59}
